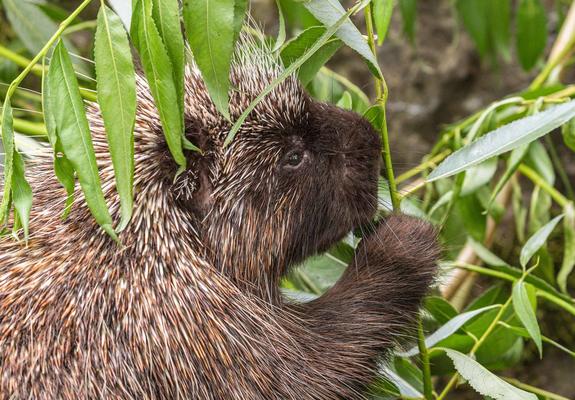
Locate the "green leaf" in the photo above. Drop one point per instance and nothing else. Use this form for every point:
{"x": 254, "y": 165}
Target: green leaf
{"x": 531, "y": 34}
{"x": 240, "y": 8}
{"x": 541, "y": 162}
{"x": 536, "y": 241}
{"x": 281, "y": 37}
{"x": 474, "y": 15}
{"x": 34, "y": 27}
{"x": 345, "y": 101}
{"x": 499, "y": 21}
{"x": 299, "y": 45}
{"x": 210, "y": 32}
{"x": 513, "y": 162}
{"x": 478, "y": 176}
{"x": 441, "y": 310}
{"x": 504, "y": 139}
{"x": 487, "y": 22}
{"x": 448, "y": 329}
{"x": 289, "y": 70}
{"x": 74, "y": 133}
{"x": 328, "y": 12}
{"x": 9, "y": 150}
{"x": 569, "y": 251}
{"x": 166, "y": 15}
{"x": 159, "y": 73}
{"x": 406, "y": 370}
{"x": 526, "y": 314}
{"x": 404, "y": 387}
{"x": 568, "y": 132}
{"x": 116, "y": 84}
{"x": 62, "y": 167}
{"x": 485, "y": 254}
{"x": 31, "y": 25}
{"x": 484, "y": 381}
{"x": 22, "y": 194}
{"x": 408, "y": 10}
{"x": 382, "y": 11}
{"x": 523, "y": 332}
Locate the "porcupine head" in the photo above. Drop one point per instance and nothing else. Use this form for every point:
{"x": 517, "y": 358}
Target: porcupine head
{"x": 189, "y": 306}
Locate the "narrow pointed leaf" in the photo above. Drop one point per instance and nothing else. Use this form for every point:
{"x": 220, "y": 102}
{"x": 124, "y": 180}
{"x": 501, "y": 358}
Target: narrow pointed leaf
{"x": 484, "y": 381}
{"x": 117, "y": 98}
{"x": 448, "y": 329}
{"x": 531, "y": 33}
{"x": 74, "y": 133}
{"x": 8, "y": 145}
{"x": 21, "y": 194}
{"x": 485, "y": 254}
{"x": 328, "y": 12}
{"x": 345, "y": 101}
{"x": 382, "y": 11}
{"x": 526, "y": 314}
{"x": 536, "y": 241}
{"x": 62, "y": 167}
{"x": 504, "y": 139}
{"x": 166, "y": 15}
{"x": 513, "y": 162}
{"x": 210, "y": 32}
{"x": 569, "y": 251}
{"x": 404, "y": 387}
{"x": 568, "y": 132}
{"x": 408, "y": 10}
{"x": 159, "y": 73}
{"x": 281, "y": 37}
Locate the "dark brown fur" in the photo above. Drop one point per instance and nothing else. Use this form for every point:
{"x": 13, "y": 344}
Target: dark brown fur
{"x": 189, "y": 306}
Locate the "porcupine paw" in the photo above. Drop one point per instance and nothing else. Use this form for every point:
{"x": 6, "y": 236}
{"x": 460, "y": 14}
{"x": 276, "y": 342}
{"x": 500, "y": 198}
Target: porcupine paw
{"x": 401, "y": 248}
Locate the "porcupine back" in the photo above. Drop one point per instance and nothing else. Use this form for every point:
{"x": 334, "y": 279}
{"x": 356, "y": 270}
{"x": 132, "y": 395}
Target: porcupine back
{"x": 189, "y": 306}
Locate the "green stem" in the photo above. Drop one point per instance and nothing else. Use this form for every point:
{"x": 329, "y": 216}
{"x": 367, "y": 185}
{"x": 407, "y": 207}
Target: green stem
{"x": 569, "y": 307}
{"x": 29, "y": 128}
{"x": 533, "y": 389}
{"x": 382, "y": 94}
{"x": 426, "y": 367}
{"x": 539, "y": 181}
{"x": 431, "y": 162}
{"x": 19, "y": 60}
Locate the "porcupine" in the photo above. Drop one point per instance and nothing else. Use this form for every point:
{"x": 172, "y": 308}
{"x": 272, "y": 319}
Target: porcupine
{"x": 189, "y": 306}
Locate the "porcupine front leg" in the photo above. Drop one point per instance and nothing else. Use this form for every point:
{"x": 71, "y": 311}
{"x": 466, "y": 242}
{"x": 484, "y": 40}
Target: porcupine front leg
{"x": 375, "y": 300}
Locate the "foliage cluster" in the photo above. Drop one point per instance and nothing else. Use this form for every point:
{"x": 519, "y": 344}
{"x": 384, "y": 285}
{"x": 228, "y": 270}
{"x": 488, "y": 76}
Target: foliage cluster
{"x": 498, "y": 162}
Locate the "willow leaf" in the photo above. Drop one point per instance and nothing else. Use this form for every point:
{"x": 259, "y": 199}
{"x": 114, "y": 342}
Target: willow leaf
{"x": 21, "y": 194}
{"x": 159, "y": 72}
{"x": 116, "y": 85}
{"x": 504, "y": 139}
{"x": 166, "y": 15}
{"x": 484, "y": 381}
{"x": 74, "y": 133}
{"x": 8, "y": 145}
{"x": 210, "y": 32}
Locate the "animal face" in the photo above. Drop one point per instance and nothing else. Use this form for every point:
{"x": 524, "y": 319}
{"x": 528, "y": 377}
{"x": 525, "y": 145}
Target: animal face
{"x": 297, "y": 177}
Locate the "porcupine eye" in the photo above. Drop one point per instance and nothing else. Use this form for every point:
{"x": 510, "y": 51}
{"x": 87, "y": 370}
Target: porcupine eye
{"x": 294, "y": 159}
